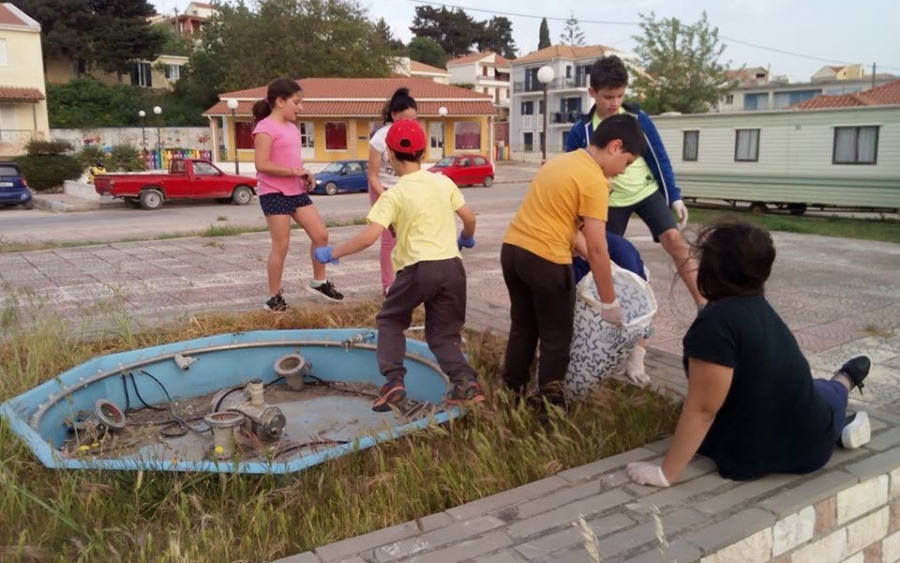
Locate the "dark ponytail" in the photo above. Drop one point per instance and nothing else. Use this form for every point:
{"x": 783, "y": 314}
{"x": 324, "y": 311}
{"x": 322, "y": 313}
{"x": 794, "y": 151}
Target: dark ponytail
{"x": 279, "y": 89}
{"x": 400, "y": 101}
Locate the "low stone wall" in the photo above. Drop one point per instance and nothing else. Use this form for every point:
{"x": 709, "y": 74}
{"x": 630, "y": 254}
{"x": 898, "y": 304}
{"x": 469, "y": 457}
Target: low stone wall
{"x": 847, "y": 512}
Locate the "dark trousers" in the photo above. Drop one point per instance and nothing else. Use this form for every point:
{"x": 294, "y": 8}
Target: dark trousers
{"x": 441, "y": 286}
{"x": 542, "y": 310}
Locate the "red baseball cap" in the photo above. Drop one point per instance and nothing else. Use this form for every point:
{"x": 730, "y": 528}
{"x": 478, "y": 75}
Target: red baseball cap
{"x": 406, "y": 136}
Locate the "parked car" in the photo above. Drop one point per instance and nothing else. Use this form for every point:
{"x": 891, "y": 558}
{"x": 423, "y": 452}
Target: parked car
{"x": 187, "y": 178}
{"x": 14, "y": 187}
{"x": 466, "y": 169}
{"x": 342, "y": 176}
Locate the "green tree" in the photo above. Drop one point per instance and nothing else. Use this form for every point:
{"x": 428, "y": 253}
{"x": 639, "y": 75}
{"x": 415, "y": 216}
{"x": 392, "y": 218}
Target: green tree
{"x": 496, "y": 36}
{"x": 454, "y": 30}
{"x": 426, "y": 50}
{"x": 385, "y": 36}
{"x": 680, "y": 66}
{"x": 544, "y": 35}
{"x": 572, "y": 34}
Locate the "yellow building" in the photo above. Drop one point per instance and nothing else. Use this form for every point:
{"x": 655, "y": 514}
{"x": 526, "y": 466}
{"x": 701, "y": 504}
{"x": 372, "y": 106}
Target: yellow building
{"x": 340, "y": 115}
{"x": 23, "y": 105}
{"x": 162, "y": 73}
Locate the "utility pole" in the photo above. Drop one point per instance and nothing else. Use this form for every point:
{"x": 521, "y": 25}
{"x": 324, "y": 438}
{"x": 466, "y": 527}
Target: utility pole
{"x": 873, "y": 74}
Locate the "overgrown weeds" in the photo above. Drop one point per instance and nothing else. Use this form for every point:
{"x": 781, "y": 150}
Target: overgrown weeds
{"x": 64, "y": 516}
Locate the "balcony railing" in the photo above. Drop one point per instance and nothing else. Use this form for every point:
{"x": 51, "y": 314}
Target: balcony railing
{"x": 566, "y": 117}
{"x": 556, "y": 84}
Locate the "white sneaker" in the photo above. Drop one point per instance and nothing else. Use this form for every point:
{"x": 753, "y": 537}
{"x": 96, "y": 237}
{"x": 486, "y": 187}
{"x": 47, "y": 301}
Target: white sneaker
{"x": 857, "y": 431}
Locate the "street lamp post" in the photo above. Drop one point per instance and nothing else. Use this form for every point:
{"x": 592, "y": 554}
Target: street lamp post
{"x": 142, "y": 114}
{"x": 158, "y": 111}
{"x": 232, "y": 105}
{"x": 442, "y": 111}
{"x": 545, "y": 76}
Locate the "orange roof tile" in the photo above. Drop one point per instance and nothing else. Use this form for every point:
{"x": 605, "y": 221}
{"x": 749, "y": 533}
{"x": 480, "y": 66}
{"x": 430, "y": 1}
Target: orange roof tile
{"x": 884, "y": 95}
{"x": 499, "y": 60}
{"x": 366, "y": 89}
{"x": 11, "y": 94}
{"x": 366, "y": 108}
{"x": 416, "y": 66}
{"x": 567, "y": 52}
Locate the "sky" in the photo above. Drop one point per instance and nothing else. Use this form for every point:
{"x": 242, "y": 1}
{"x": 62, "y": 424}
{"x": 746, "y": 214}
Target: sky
{"x": 862, "y": 32}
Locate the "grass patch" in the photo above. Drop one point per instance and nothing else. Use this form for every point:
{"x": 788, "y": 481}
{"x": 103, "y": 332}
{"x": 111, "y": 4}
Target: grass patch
{"x": 64, "y": 516}
{"x": 885, "y": 230}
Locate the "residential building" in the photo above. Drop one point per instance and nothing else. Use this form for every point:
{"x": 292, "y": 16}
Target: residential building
{"x": 567, "y": 96}
{"x": 161, "y": 73}
{"x": 406, "y": 67}
{"x": 23, "y": 103}
{"x": 341, "y": 114}
{"x": 189, "y": 23}
{"x": 488, "y": 73}
{"x": 758, "y": 91}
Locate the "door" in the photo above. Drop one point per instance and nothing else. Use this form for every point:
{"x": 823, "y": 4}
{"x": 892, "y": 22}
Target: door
{"x": 436, "y": 140}
{"x": 209, "y": 182}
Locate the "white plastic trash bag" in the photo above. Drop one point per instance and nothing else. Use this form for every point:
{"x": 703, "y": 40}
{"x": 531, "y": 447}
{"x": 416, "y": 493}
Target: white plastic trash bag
{"x": 599, "y": 349}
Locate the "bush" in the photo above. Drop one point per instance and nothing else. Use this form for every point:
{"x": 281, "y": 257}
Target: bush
{"x": 126, "y": 158}
{"x": 48, "y": 171}
{"x": 51, "y": 147}
{"x": 89, "y": 155}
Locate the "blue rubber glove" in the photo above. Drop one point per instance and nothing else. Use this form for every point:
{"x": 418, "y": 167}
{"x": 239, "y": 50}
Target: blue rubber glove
{"x": 323, "y": 255}
{"x": 464, "y": 242}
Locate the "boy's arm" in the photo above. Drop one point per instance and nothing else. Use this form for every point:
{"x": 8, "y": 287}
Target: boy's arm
{"x": 580, "y": 245}
{"x": 359, "y": 241}
{"x": 468, "y": 220}
{"x": 597, "y": 255}
{"x": 662, "y": 157}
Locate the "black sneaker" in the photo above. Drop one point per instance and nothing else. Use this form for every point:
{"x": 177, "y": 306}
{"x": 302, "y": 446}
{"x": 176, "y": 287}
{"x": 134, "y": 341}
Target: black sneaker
{"x": 857, "y": 431}
{"x": 276, "y": 303}
{"x": 857, "y": 369}
{"x": 326, "y": 290}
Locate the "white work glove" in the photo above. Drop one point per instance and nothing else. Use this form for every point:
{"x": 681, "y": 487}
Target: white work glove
{"x": 612, "y": 312}
{"x": 644, "y": 473}
{"x": 681, "y": 209}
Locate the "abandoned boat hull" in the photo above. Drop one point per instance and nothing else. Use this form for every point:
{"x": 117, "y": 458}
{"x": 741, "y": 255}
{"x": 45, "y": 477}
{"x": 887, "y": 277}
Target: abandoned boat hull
{"x": 322, "y": 421}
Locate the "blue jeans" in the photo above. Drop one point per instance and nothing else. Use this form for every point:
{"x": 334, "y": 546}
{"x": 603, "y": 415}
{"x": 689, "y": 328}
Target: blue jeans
{"x": 621, "y": 251}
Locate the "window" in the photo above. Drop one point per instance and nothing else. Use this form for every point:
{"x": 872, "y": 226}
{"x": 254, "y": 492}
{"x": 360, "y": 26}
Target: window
{"x": 568, "y": 71}
{"x": 480, "y": 161}
{"x": 243, "y": 132}
{"x": 690, "y": 146}
{"x": 528, "y": 141}
{"x": 754, "y": 102}
{"x": 7, "y": 116}
{"x": 141, "y": 75}
{"x": 527, "y": 108}
{"x": 467, "y": 135}
{"x": 335, "y": 136}
{"x": 746, "y": 145}
{"x": 354, "y": 168}
{"x": 729, "y": 99}
{"x": 204, "y": 169}
{"x": 173, "y": 72}
{"x": 4, "y": 60}
{"x": 855, "y": 145}
{"x": 540, "y": 107}
{"x": 308, "y": 135}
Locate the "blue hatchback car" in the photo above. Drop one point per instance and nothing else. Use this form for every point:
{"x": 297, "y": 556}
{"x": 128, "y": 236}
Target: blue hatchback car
{"x": 13, "y": 187}
{"x": 342, "y": 176}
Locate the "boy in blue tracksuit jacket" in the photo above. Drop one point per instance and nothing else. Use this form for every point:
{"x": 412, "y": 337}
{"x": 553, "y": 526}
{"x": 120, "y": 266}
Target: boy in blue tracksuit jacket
{"x": 647, "y": 187}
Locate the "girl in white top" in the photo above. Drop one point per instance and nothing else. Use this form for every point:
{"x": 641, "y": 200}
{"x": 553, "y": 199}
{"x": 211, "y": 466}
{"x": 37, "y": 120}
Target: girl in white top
{"x": 380, "y": 173}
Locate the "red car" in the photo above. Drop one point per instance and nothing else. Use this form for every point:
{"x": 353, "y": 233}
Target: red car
{"x": 187, "y": 178}
{"x": 466, "y": 169}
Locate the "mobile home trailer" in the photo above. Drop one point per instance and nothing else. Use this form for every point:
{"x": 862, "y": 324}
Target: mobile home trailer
{"x": 794, "y": 159}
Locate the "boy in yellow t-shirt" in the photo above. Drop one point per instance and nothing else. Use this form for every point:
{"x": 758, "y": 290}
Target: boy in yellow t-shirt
{"x": 536, "y": 256}
{"x": 422, "y": 208}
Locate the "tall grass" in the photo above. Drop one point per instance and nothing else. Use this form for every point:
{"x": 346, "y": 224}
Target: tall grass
{"x": 88, "y": 516}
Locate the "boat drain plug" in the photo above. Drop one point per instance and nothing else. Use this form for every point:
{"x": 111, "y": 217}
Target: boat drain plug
{"x": 293, "y": 368}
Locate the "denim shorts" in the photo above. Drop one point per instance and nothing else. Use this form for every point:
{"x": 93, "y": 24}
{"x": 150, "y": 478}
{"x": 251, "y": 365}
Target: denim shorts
{"x": 279, "y": 204}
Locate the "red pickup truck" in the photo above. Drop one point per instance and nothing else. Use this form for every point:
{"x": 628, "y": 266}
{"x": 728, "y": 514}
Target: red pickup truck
{"x": 187, "y": 178}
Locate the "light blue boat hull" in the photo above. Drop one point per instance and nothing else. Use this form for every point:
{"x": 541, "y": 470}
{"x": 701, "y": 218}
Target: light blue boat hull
{"x": 38, "y": 416}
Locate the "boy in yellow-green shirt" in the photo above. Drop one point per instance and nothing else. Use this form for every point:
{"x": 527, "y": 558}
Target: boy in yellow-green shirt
{"x": 422, "y": 209}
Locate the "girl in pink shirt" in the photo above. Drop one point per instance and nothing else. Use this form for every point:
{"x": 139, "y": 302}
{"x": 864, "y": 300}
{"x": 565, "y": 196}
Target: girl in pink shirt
{"x": 283, "y": 183}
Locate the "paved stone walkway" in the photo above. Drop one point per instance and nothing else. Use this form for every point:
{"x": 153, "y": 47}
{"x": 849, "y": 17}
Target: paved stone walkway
{"x": 841, "y": 297}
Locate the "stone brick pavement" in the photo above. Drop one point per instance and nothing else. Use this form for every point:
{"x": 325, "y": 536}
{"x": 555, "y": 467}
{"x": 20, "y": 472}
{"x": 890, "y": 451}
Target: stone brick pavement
{"x": 841, "y": 297}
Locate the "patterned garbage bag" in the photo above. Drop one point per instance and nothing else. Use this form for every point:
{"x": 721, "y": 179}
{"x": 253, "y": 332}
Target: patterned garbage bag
{"x": 599, "y": 349}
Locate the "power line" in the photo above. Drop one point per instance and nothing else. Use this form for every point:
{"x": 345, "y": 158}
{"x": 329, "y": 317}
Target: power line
{"x": 637, "y": 24}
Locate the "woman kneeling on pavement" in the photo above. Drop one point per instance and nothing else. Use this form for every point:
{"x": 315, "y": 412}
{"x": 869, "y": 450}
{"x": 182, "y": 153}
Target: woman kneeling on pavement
{"x": 752, "y": 405}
